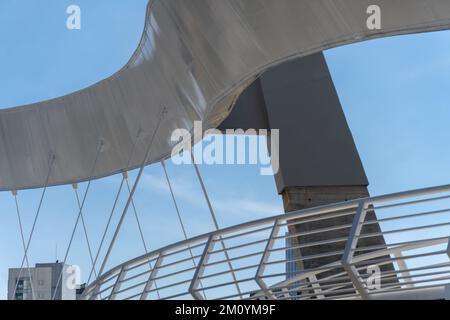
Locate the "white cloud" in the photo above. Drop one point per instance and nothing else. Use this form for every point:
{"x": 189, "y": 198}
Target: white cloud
{"x": 152, "y": 182}
{"x": 181, "y": 187}
{"x": 237, "y": 207}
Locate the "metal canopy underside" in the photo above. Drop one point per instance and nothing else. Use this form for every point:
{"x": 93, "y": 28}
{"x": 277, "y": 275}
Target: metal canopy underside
{"x": 195, "y": 58}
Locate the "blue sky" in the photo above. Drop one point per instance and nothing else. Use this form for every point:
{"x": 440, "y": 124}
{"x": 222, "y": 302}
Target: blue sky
{"x": 395, "y": 93}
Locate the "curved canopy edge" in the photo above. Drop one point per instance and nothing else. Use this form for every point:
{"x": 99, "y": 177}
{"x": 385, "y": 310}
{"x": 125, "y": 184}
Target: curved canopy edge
{"x": 194, "y": 59}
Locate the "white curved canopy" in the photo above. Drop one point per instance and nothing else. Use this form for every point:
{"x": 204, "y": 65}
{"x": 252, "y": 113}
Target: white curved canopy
{"x": 194, "y": 59}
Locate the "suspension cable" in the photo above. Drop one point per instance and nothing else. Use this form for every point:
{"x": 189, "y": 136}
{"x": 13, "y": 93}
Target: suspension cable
{"x": 133, "y": 190}
{"x": 52, "y": 161}
{"x": 75, "y": 189}
{"x": 116, "y": 201}
{"x": 180, "y": 220}
{"x": 23, "y": 241}
{"x": 216, "y": 224}
{"x": 140, "y": 232}
{"x": 94, "y": 166}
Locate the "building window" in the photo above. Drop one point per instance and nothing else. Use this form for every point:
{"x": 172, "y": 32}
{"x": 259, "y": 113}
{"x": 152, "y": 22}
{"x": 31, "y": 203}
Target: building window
{"x": 23, "y": 291}
{"x": 41, "y": 282}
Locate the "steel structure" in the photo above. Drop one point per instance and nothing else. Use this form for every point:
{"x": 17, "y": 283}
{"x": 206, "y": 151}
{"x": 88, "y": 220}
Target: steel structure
{"x": 193, "y": 62}
{"x": 199, "y": 269}
{"x": 194, "y": 59}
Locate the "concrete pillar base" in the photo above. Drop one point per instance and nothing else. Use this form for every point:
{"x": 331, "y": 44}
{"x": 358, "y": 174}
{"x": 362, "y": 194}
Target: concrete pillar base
{"x": 298, "y": 198}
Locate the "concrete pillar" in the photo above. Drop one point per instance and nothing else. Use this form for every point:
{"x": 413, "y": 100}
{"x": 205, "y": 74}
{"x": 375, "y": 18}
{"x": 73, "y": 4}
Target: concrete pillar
{"x": 299, "y": 198}
{"x": 319, "y": 162}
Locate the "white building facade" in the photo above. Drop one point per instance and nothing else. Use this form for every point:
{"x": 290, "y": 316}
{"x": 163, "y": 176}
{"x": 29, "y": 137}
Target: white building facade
{"x": 40, "y": 283}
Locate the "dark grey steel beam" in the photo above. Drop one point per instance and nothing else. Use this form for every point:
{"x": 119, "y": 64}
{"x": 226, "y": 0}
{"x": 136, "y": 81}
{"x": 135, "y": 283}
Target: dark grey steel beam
{"x": 316, "y": 145}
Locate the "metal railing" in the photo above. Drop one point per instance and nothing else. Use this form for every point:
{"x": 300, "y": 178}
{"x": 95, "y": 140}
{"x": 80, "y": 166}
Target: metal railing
{"x": 365, "y": 248}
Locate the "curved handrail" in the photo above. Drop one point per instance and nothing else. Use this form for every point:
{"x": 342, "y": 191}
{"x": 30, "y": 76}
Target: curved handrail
{"x": 246, "y": 233}
{"x": 361, "y": 258}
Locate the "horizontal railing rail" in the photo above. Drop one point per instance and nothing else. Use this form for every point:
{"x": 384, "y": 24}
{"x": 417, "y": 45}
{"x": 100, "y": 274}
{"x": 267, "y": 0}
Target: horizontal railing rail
{"x": 363, "y": 248}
